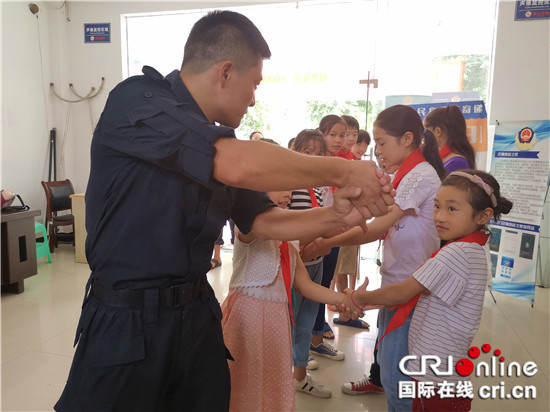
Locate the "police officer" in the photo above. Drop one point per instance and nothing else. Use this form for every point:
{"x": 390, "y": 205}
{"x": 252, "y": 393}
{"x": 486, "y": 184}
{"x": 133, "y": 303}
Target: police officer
{"x": 164, "y": 179}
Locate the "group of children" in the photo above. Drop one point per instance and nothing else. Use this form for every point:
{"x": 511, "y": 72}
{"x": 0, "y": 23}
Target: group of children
{"x": 434, "y": 266}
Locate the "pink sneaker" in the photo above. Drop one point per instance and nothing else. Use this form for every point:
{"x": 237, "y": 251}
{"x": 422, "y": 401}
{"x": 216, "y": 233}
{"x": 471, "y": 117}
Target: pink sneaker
{"x": 361, "y": 386}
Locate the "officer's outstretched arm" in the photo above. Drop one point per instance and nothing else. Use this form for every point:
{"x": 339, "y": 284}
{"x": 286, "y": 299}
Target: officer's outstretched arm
{"x": 281, "y": 224}
{"x": 265, "y": 167}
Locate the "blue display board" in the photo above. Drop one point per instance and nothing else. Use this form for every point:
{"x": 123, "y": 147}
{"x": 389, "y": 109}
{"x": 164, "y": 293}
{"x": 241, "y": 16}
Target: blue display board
{"x": 520, "y": 163}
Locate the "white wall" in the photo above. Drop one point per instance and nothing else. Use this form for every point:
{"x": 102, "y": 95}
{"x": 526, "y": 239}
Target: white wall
{"x": 25, "y": 110}
{"x": 520, "y": 89}
{"x": 521, "y": 73}
{"x": 26, "y": 99}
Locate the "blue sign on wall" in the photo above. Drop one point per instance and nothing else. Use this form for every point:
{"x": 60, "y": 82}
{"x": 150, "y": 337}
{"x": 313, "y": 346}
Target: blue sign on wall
{"x": 97, "y": 32}
{"x": 532, "y": 9}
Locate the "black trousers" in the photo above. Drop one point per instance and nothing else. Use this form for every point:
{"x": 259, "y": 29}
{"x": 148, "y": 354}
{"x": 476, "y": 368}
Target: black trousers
{"x": 151, "y": 359}
{"x": 374, "y": 373}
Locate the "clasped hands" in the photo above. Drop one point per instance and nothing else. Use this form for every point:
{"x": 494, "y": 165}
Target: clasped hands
{"x": 349, "y": 305}
{"x": 376, "y": 191}
{"x": 365, "y": 192}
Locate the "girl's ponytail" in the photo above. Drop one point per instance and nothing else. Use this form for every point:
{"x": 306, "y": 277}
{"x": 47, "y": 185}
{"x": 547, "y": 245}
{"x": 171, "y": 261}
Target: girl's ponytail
{"x": 503, "y": 205}
{"x": 431, "y": 153}
{"x": 399, "y": 119}
{"x": 451, "y": 120}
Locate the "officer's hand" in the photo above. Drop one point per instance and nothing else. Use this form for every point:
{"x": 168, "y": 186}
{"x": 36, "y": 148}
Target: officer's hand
{"x": 377, "y": 193}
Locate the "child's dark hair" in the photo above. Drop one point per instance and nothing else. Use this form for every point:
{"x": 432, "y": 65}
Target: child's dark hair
{"x": 351, "y": 121}
{"x": 400, "y": 119}
{"x": 290, "y": 142}
{"x": 478, "y": 198}
{"x": 254, "y": 132}
{"x": 265, "y": 139}
{"x": 451, "y": 120}
{"x": 307, "y": 135}
{"x": 363, "y": 136}
{"x": 328, "y": 122}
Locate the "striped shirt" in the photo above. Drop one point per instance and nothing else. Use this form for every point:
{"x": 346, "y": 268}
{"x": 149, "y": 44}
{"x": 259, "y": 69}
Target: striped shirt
{"x": 447, "y": 318}
{"x": 301, "y": 200}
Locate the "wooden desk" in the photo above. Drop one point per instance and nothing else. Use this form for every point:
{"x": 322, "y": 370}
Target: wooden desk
{"x": 18, "y": 249}
{"x": 79, "y": 213}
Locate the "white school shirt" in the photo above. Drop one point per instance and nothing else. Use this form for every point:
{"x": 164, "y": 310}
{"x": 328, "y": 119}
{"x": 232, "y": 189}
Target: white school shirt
{"x": 447, "y": 318}
{"x": 327, "y": 195}
{"x": 413, "y": 238}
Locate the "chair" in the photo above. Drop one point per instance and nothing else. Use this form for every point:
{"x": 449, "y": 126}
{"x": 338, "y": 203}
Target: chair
{"x": 42, "y": 248}
{"x": 58, "y": 200}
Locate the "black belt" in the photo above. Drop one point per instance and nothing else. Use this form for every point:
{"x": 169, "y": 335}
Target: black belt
{"x": 173, "y": 297}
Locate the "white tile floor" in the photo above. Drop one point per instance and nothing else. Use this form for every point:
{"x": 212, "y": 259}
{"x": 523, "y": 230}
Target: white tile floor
{"x": 38, "y": 329}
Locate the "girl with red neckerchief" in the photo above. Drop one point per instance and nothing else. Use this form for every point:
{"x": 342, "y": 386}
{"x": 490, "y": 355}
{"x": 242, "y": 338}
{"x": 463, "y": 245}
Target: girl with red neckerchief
{"x": 347, "y": 265}
{"x": 256, "y": 316}
{"x": 352, "y": 134}
{"x": 334, "y": 129}
{"x": 448, "y": 289}
{"x": 408, "y": 231}
{"x": 312, "y": 143}
{"x": 449, "y": 128}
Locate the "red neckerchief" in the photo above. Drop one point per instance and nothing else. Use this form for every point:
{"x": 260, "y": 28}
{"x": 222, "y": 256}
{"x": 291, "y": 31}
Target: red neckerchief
{"x": 404, "y": 309}
{"x": 445, "y": 151}
{"x": 314, "y": 202}
{"x": 285, "y": 268}
{"x": 416, "y": 157}
{"x": 343, "y": 154}
{"x": 409, "y": 164}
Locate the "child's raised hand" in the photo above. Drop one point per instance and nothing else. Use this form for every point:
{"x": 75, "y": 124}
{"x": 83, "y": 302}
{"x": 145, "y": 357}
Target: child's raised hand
{"x": 313, "y": 249}
{"x": 362, "y": 288}
{"x": 336, "y": 231}
{"x": 371, "y": 307}
{"x": 347, "y": 307}
{"x": 308, "y": 252}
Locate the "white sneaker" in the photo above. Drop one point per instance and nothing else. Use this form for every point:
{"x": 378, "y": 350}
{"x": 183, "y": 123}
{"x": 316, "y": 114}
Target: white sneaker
{"x": 326, "y": 350}
{"x": 309, "y": 385}
{"x": 311, "y": 363}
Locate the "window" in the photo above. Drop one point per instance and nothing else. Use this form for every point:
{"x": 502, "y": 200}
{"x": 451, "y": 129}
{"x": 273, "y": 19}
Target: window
{"x": 321, "y": 50}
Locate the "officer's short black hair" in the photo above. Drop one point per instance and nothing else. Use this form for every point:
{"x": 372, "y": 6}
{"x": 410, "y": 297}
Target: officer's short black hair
{"x": 224, "y": 35}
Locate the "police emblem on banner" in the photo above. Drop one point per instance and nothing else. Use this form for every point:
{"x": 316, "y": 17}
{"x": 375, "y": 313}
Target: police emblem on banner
{"x": 526, "y": 139}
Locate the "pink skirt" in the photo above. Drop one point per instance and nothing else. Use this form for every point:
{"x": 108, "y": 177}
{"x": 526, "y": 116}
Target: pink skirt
{"x": 257, "y": 333}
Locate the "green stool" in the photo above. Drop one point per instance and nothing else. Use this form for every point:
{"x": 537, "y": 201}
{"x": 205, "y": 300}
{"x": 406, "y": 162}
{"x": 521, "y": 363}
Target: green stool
{"x": 42, "y": 248}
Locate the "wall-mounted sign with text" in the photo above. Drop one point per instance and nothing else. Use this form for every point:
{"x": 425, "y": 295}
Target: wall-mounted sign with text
{"x": 532, "y": 9}
{"x": 97, "y": 32}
